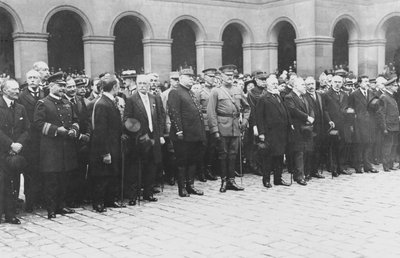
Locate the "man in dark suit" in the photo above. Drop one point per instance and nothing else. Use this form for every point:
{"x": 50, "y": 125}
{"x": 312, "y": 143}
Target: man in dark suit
{"x": 148, "y": 110}
{"x": 364, "y": 125}
{"x": 315, "y": 101}
{"x": 388, "y": 115}
{"x": 377, "y": 145}
{"x": 273, "y": 126}
{"x": 187, "y": 132}
{"x": 55, "y": 119}
{"x": 302, "y": 118}
{"x": 105, "y": 151}
{"x": 33, "y": 182}
{"x": 14, "y": 133}
{"x": 336, "y": 113}
{"x": 76, "y": 178}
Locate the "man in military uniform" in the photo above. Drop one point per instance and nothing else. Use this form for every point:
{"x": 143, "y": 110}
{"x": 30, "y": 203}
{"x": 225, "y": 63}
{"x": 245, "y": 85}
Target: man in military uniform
{"x": 223, "y": 110}
{"x": 14, "y": 133}
{"x": 54, "y": 117}
{"x": 33, "y": 182}
{"x": 187, "y": 132}
{"x": 76, "y": 178}
{"x": 210, "y": 150}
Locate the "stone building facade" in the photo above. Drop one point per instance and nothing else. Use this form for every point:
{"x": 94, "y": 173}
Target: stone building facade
{"x": 259, "y": 33}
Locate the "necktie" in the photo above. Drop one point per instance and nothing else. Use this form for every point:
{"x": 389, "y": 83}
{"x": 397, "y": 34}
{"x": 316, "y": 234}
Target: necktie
{"x": 277, "y": 98}
{"x": 73, "y": 101}
{"x": 12, "y": 105}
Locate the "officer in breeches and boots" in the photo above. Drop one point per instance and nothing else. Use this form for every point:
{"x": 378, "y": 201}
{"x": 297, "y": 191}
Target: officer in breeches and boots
{"x": 223, "y": 110}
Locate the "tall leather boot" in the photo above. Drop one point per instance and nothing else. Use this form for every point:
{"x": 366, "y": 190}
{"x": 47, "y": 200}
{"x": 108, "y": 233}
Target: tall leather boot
{"x": 223, "y": 175}
{"x": 190, "y": 182}
{"x": 231, "y": 184}
{"x": 181, "y": 182}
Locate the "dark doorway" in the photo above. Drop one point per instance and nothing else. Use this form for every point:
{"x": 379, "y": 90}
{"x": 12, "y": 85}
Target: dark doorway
{"x": 340, "y": 46}
{"x": 183, "y": 46}
{"x": 65, "y": 45}
{"x": 232, "y": 50}
{"x": 286, "y": 47}
{"x": 128, "y": 46}
{"x": 6, "y": 45}
{"x": 392, "y": 50}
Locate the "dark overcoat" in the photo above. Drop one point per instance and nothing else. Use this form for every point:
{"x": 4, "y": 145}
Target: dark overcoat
{"x": 106, "y": 138}
{"x": 364, "y": 122}
{"x": 134, "y": 108}
{"x": 388, "y": 113}
{"x": 14, "y": 127}
{"x": 273, "y": 122}
{"x": 57, "y": 152}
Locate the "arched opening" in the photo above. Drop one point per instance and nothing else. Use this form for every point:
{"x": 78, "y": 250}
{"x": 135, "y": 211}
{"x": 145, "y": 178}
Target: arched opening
{"x": 392, "y": 50}
{"x": 128, "y": 46}
{"x": 65, "y": 45}
{"x": 286, "y": 47}
{"x": 232, "y": 49}
{"x": 183, "y": 46}
{"x": 340, "y": 46}
{"x": 6, "y": 45}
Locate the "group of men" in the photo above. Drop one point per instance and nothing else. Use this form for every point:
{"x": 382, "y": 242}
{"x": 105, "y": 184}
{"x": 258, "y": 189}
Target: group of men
{"x": 72, "y": 146}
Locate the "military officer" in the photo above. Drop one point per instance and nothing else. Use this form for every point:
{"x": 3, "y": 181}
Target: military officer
{"x": 209, "y": 155}
{"x": 187, "y": 132}
{"x": 223, "y": 110}
{"x": 56, "y": 120}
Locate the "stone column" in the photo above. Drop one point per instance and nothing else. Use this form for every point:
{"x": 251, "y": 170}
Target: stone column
{"x": 255, "y": 57}
{"x": 314, "y": 55}
{"x": 157, "y": 57}
{"x": 353, "y": 56}
{"x": 371, "y": 56}
{"x": 29, "y": 47}
{"x": 208, "y": 55}
{"x": 272, "y": 49}
{"x": 99, "y": 54}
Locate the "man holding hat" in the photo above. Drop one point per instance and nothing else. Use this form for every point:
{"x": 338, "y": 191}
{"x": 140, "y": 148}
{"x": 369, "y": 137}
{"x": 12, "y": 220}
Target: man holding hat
{"x": 224, "y": 113}
{"x": 210, "y": 150}
{"x": 388, "y": 122}
{"x": 58, "y": 123}
{"x": 14, "y": 127}
{"x": 187, "y": 132}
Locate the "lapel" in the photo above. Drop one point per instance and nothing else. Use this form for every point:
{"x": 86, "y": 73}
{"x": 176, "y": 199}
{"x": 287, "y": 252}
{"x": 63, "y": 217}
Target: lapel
{"x": 28, "y": 97}
{"x": 140, "y": 105}
{"x": 361, "y": 97}
{"x": 152, "y": 101}
{"x": 274, "y": 102}
{"x": 300, "y": 102}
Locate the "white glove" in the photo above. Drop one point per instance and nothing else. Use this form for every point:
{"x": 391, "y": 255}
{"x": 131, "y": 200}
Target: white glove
{"x": 255, "y": 130}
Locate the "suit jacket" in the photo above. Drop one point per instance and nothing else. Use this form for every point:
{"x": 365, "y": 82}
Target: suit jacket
{"x": 364, "y": 122}
{"x": 135, "y": 109}
{"x": 388, "y": 113}
{"x": 106, "y": 138}
{"x": 33, "y": 146}
{"x": 335, "y": 111}
{"x": 14, "y": 127}
{"x": 317, "y": 107}
{"x": 185, "y": 114}
{"x": 299, "y": 112}
{"x": 57, "y": 152}
{"x": 253, "y": 97}
{"x": 273, "y": 121}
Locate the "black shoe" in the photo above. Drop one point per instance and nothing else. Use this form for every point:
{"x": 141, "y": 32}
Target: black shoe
{"x": 301, "y": 182}
{"x": 29, "y": 209}
{"x": 282, "y": 182}
{"x": 100, "y": 208}
{"x": 202, "y": 178}
{"x": 210, "y": 176}
{"x": 267, "y": 185}
{"x": 373, "y": 170}
{"x": 132, "y": 203}
{"x": 231, "y": 185}
{"x": 64, "y": 211}
{"x": 335, "y": 174}
{"x": 13, "y": 220}
{"x": 359, "y": 171}
{"x": 171, "y": 181}
{"x": 113, "y": 205}
{"x": 386, "y": 170}
{"x": 265, "y": 182}
{"x": 223, "y": 186}
{"x": 308, "y": 178}
{"x": 150, "y": 198}
{"x": 317, "y": 175}
{"x": 156, "y": 190}
{"x": 193, "y": 190}
{"x": 51, "y": 215}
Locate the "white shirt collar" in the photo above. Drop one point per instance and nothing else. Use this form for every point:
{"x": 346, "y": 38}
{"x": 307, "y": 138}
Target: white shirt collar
{"x": 109, "y": 95}
{"x": 33, "y": 90}
{"x": 8, "y": 101}
{"x": 143, "y": 95}
{"x": 54, "y": 96}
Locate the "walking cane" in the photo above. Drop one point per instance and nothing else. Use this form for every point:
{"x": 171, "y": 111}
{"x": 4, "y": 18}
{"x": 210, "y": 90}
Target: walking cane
{"x": 240, "y": 159}
{"x": 133, "y": 126}
{"x": 122, "y": 171}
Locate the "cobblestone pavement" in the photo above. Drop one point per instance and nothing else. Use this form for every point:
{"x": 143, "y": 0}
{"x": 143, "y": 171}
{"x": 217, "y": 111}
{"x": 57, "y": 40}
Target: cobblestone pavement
{"x": 348, "y": 216}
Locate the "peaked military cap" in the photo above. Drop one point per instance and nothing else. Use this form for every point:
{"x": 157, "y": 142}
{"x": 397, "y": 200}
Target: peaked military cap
{"x": 209, "y": 71}
{"x": 174, "y": 75}
{"x": 58, "y": 78}
{"x": 228, "y": 68}
{"x": 128, "y": 74}
{"x": 187, "y": 71}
